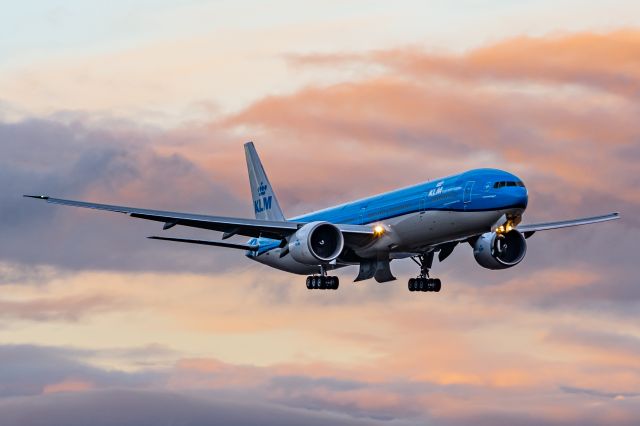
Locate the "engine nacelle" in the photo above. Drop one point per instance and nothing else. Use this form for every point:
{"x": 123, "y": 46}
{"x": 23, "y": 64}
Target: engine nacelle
{"x": 500, "y": 251}
{"x": 316, "y": 243}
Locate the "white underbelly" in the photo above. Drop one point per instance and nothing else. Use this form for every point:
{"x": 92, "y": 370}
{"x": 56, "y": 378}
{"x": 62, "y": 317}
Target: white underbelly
{"x": 417, "y": 230}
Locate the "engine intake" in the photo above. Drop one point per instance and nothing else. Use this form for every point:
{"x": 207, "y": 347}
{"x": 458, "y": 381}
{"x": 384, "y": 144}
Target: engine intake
{"x": 316, "y": 243}
{"x": 500, "y": 251}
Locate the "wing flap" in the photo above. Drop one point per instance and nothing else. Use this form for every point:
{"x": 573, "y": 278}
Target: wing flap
{"x": 208, "y": 243}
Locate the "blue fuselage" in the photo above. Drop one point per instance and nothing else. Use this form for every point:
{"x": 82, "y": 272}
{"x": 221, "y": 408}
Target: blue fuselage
{"x": 478, "y": 190}
{"x": 474, "y": 190}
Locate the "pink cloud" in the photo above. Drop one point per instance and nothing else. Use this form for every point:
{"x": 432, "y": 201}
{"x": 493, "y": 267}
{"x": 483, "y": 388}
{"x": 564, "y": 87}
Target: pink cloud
{"x": 69, "y": 385}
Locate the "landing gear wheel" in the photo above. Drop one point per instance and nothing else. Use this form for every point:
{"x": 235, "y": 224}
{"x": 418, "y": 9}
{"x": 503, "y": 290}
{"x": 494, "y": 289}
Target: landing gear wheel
{"x": 319, "y": 282}
{"x": 424, "y": 284}
{"x": 335, "y": 283}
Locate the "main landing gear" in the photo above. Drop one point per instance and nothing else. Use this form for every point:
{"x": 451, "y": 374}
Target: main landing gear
{"x": 423, "y": 282}
{"x": 322, "y": 281}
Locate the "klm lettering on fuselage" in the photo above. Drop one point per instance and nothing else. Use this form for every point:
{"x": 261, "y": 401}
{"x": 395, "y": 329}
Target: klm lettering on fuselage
{"x": 439, "y": 189}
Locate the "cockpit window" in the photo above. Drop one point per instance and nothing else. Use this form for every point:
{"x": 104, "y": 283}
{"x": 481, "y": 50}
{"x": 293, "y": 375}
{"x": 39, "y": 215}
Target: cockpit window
{"x": 502, "y": 184}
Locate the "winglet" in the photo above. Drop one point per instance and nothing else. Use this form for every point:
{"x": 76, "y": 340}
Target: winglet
{"x": 39, "y": 197}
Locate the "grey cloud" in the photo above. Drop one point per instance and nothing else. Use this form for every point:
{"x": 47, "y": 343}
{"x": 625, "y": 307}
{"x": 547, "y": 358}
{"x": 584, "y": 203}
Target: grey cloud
{"x": 132, "y": 398}
{"x": 71, "y": 160}
{"x": 580, "y": 416}
{"x": 140, "y": 408}
{"x": 28, "y": 369}
{"x": 598, "y": 393}
{"x": 598, "y": 340}
{"x": 141, "y": 398}
{"x": 302, "y": 382}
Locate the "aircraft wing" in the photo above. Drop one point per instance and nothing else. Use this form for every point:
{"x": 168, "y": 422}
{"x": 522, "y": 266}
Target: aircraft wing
{"x": 528, "y": 230}
{"x": 229, "y": 225}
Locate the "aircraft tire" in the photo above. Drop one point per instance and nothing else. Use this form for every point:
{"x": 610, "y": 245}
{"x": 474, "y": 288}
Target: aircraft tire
{"x": 335, "y": 283}
{"x": 412, "y": 284}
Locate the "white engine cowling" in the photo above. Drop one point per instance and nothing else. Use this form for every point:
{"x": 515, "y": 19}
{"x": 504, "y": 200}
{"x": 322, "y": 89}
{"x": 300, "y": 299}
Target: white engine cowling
{"x": 316, "y": 243}
{"x": 500, "y": 251}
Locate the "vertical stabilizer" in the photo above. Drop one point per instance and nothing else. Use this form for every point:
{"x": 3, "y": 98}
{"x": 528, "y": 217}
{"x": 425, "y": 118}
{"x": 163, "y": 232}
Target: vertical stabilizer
{"x": 265, "y": 203}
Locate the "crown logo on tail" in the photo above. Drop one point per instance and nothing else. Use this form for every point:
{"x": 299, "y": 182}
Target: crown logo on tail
{"x": 262, "y": 189}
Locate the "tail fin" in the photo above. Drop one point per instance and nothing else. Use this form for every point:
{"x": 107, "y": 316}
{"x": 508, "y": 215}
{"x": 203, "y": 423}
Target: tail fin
{"x": 265, "y": 203}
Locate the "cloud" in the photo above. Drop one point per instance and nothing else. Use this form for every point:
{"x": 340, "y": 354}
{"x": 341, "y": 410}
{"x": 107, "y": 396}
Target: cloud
{"x": 79, "y": 161}
{"x": 598, "y": 393}
{"x": 503, "y": 99}
{"x": 613, "y": 344}
{"x": 68, "y": 386}
{"x": 124, "y": 408}
{"x": 33, "y": 370}
{"x": 39, "y": 385}
{"x": 52, "y": 309}
{"x": 569, "y": 59}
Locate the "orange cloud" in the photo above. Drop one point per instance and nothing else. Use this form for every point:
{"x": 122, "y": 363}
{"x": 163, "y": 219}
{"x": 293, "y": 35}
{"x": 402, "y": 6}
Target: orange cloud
{"x": 465, "y": 107}
{"x": 602, "y": 61}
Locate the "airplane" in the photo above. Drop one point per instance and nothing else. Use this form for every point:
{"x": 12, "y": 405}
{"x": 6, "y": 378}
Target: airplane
{"x": 481, "y": 207}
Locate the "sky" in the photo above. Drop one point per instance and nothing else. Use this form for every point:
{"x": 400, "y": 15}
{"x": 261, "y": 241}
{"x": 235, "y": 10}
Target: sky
{"x": 148, "y": 104}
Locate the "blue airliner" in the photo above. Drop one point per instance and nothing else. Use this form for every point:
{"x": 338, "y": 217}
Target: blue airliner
{"x": 482, "y": 207}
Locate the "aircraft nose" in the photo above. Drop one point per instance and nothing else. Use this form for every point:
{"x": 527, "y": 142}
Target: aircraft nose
{"x": 520, "y": 197}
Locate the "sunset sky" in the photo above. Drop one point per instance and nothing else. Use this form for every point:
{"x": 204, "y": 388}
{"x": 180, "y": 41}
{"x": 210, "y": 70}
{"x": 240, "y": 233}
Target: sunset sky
{"x": 148, "y": 103}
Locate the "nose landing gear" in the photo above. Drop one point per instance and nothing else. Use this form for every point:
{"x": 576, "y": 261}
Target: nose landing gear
{"x": 423, "y": 282}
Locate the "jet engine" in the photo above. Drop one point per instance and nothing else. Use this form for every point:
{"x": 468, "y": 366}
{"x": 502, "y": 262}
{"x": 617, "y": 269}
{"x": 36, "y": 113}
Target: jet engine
{"x": 500, "y": 251}
{"x": 316, "y": 243}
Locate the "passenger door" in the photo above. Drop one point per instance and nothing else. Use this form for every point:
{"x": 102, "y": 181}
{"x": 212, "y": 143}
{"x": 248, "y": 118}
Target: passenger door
{"x": 467, "y": 192}
{"x": 363, "y": 215}
{"x": 423, "y": 205}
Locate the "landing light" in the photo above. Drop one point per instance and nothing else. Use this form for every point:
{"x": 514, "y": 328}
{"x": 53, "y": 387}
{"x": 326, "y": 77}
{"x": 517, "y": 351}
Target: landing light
{"x": 503, "y": 229}
{"x": 378, "y": 230}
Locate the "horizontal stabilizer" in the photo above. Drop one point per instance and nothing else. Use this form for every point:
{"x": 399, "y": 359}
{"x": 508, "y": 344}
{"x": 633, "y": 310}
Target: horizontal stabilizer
{"x": 209, "y": 243}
